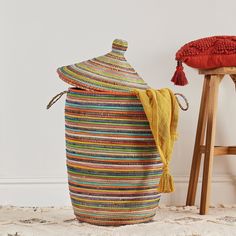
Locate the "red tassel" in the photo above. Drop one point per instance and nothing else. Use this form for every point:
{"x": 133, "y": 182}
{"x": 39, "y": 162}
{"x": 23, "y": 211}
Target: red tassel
{"x": 179, "y": 77}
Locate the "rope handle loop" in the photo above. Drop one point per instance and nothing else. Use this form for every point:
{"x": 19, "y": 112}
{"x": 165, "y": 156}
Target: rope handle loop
{"x": 59, "y": 95}
{"x": 185, "y": 100}
{"x": 56, "y": 98}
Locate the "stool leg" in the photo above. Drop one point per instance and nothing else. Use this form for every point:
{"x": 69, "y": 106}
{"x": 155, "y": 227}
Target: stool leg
{"x": 234, "y": 79}
{"x": 199, "y": 140}
{"x": 210, "y": 141}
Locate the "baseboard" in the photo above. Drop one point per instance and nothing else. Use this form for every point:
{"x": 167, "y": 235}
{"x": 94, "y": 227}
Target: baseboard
{"x": 25, "y": 181}
{"x": 48, "y": 191}
{"x": 223, "y": 190}
{"x": 179, "y": 179}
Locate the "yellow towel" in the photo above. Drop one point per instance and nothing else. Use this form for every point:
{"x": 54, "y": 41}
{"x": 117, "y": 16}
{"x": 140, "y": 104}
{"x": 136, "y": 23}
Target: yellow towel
{"x": 162, "y": 111}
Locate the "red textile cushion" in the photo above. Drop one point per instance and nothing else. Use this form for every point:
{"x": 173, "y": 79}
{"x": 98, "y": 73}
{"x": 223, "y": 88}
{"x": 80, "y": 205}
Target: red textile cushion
{"x": 207, "y": 53}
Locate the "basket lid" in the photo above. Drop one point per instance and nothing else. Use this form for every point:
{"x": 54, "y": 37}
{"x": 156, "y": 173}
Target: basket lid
{"x": 109, "y": 72}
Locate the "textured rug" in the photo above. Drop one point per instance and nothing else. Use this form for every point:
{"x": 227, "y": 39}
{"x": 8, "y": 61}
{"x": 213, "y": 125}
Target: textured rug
{"x": 169, "y": 221}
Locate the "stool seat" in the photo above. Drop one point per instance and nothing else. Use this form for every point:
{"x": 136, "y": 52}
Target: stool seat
{"x": 219, "y": 71}
{"x": 205, "y": 136}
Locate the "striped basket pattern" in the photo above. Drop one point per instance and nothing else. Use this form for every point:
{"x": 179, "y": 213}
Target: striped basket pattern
{"x": 112, "y": 161}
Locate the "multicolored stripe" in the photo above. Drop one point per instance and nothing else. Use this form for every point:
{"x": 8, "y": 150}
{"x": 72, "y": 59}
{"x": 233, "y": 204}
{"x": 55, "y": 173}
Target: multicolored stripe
{"x": 113, "y": 165}
{"x": 110, "y": 72}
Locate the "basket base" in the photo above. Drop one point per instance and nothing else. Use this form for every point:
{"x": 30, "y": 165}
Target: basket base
{"x": 117, "y": 222}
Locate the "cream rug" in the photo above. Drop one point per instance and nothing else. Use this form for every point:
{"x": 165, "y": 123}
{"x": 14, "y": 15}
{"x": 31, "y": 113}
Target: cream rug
{"x": 169, "y": 221}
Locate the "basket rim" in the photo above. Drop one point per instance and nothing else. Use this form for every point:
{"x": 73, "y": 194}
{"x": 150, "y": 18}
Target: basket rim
{"x": 89, "y": 91}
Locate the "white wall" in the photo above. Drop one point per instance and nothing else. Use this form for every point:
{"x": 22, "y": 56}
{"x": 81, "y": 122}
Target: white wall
{"x": 38, "y": 36}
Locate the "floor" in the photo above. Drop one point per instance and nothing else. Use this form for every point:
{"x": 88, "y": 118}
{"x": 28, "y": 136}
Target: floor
{"x": 169, "y": 221}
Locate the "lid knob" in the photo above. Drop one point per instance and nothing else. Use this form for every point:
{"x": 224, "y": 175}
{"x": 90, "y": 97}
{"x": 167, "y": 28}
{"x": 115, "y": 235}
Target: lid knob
{"x": 119, "y": 46}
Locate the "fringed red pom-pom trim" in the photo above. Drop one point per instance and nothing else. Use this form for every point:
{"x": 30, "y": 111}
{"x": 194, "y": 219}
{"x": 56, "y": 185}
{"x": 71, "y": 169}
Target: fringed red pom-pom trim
{"x": 179, "y": 77}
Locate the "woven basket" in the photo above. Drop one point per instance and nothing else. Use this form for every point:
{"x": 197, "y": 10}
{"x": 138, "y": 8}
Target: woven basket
{"x": 112, "y": 161}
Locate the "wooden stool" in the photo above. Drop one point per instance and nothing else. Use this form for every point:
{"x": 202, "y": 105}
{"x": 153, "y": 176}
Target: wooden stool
{"x": 205, "y": 145}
